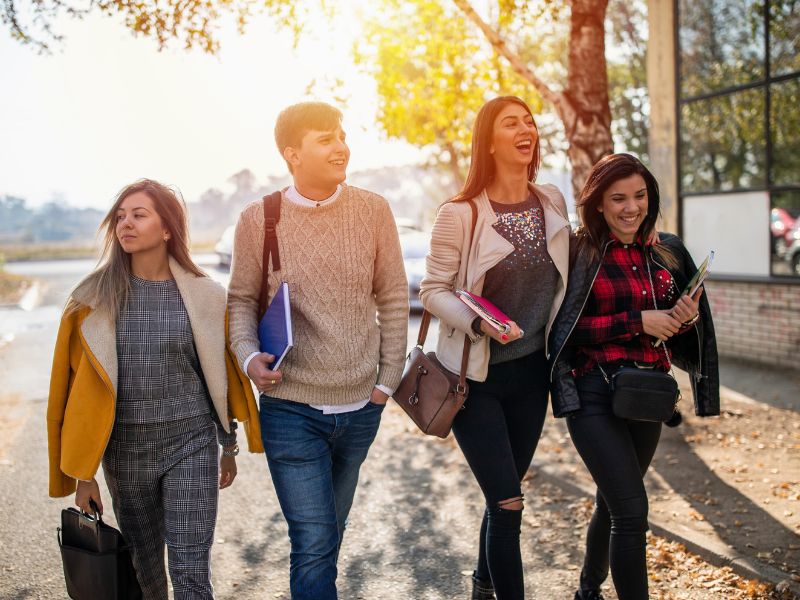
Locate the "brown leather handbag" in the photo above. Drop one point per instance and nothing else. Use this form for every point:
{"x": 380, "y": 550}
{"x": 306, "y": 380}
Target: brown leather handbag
{"x": 429, "y": 393}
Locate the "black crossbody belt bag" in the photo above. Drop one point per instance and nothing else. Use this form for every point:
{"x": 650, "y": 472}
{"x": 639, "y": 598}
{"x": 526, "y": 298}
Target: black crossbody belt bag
{"x": 643, "y": 394}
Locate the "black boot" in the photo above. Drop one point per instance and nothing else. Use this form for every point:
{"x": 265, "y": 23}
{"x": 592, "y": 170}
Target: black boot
{"x": 593, "y": 595}
{"x": 481, "y": 589}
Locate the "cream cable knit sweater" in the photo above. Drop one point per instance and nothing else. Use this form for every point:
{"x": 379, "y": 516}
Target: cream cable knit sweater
{"x": 349, "y": 296}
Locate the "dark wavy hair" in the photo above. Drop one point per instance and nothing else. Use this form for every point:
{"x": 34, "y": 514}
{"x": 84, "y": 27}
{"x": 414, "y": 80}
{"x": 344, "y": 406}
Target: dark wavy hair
{"x": 607, "y": 171}
{"x": 481, "y": 166}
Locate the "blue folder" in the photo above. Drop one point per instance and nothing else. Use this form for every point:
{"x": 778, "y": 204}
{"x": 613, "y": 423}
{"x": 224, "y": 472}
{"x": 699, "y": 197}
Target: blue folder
{"x": 275, "y": 328}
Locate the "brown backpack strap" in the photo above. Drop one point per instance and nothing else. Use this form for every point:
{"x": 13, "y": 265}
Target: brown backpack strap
{"x": 272, "y": 214}
{"x": 426, "y": 317}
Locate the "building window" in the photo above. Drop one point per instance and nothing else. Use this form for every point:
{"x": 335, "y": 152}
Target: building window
{"x": 739, "y": 117}
{"x": 723, "y": 146}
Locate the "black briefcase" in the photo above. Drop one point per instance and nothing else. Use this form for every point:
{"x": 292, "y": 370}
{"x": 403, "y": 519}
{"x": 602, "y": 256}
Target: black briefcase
{"x": 97, "y": 561}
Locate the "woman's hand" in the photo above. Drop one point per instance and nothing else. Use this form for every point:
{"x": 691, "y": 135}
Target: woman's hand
{"x": 88, "y": 490}
{"x": 660, "y": 324}
{"x": 503, "y": 338}
{"x": 686, "y": 308}
{"x": 227, "y": 471}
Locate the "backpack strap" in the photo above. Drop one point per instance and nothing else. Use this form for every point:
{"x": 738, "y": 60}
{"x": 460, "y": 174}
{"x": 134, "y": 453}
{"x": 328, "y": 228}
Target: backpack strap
{"x": 272, "y": 214}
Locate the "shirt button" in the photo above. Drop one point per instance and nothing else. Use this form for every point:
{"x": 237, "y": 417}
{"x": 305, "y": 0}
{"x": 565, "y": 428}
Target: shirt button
{"x": 634, "y": 267}
{"x": 644, "y": 292}
{"x": 625, "y": 246}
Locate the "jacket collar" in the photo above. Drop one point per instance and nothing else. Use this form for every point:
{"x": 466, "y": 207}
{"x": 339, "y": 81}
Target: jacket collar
{"x": 205, "y": 303}
{"x": 491, "y": 247}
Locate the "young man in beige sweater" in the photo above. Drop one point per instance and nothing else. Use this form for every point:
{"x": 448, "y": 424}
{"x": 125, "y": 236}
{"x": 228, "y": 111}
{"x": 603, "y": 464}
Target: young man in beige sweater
{"x": 340, "y": 255}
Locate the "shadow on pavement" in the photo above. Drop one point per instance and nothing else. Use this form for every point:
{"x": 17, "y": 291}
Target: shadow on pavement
{"x": 735, "y": 518}
{"x": 774, "y": 386}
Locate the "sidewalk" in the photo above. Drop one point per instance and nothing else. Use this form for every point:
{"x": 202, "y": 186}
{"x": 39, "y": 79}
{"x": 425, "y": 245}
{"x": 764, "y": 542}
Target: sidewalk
{"x": 728, "y": 487}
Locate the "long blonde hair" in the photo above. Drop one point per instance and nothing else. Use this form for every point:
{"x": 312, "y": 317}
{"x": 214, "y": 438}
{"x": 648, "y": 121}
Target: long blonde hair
{"x": 106, "y": 288}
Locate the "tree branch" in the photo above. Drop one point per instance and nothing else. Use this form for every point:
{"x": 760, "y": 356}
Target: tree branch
{"x": 500, "y": 46}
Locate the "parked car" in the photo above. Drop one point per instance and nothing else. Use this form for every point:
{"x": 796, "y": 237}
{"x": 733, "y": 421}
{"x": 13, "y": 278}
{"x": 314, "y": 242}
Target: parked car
{"x": 792, "y": 252}
{"x": 415, "y": 246}
{"x": 781, "y": 225}
{"x": 224, "y": 247}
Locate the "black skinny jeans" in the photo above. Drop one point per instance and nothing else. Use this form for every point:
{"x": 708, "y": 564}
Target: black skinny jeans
{"x": 617, "y": 453}
{"x": 498, "y": 431}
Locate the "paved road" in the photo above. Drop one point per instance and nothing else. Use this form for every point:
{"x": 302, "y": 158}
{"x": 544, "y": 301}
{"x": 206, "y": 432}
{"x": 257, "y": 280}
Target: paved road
{"x": 413, "y": 522}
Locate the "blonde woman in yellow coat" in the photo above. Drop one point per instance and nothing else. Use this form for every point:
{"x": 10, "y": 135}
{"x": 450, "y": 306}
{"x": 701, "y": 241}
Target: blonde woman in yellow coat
{"x": 143, "y": 382}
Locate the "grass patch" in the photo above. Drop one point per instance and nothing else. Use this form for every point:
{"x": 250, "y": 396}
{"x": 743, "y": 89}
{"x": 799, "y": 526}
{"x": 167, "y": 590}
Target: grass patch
{"x": 12, "y": 287}
{"x": 25, "y": 252}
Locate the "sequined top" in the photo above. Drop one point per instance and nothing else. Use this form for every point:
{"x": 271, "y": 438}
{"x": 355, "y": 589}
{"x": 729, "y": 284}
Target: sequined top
{"x": 523, "y": 284}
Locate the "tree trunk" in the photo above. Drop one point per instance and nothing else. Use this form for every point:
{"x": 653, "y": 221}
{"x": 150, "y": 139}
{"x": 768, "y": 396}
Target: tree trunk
{"x": 587, "y": 118}
{"x": 583, "y": 105}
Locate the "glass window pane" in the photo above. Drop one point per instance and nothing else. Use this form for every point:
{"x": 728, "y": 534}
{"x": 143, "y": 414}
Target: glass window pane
{"x": 785, "y": 130}
{"x": 784, "y": 227}
{"x": 721, "y": 44}
{"x": 784, "y": 31}
{"x": 723, "y": 143}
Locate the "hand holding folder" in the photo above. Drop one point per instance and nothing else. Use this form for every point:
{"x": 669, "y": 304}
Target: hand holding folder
{"x": 487, "y": 311}
{"x": 700, "y": 276}
{"x": 275, "y": 328}
{"x": 693, "y": 288}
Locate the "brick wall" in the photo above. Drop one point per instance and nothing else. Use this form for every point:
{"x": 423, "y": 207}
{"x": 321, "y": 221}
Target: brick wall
{"x": 757, "y": 321}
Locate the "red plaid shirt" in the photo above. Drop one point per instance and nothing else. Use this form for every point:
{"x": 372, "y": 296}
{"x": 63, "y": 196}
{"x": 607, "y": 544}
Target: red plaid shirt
{"x": 610, "y": 326}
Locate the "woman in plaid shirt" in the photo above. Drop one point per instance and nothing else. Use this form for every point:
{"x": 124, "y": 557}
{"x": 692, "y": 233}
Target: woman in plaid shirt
{"x": 624, "y": 307}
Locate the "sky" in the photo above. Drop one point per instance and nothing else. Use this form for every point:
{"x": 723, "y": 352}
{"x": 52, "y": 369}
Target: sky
{"x": 107, "y": 108}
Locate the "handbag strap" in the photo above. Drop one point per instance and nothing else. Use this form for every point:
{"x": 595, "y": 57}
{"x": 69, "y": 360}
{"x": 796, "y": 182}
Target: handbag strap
{"x": 272, "y": 214}
{"x": 655, "y": 303}
{"x": 461, "y": 388}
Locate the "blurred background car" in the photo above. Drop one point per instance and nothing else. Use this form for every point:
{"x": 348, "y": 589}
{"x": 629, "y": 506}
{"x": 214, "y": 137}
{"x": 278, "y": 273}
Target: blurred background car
{"x": 415, "y": 244}
{"x": 781, "y": 225}
{"x": 224, "y": 247}
{"x": 792, "y": 252}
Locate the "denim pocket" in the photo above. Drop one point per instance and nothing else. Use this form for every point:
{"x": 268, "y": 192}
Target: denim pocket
{"x": 376, "y": 405}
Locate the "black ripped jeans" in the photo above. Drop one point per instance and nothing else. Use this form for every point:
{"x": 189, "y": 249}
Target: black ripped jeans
{"x": 498, "y": 431}
{"x": 617, "y": 453}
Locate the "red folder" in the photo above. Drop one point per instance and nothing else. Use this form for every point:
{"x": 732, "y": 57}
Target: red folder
{"x": 486, "y": 310}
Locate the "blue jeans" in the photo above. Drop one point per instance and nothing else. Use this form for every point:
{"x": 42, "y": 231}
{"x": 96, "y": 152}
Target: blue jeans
{"x": 314, "y": 460}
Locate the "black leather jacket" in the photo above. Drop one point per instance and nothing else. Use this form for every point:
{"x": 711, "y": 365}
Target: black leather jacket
{"x": 693, "y": 351}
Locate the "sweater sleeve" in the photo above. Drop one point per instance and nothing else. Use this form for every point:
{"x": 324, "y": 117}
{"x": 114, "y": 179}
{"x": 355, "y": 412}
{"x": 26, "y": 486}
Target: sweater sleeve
{"x": 390, "y": 288}
{"x": 245, "y": 285}
{"x": 441, "y": 270}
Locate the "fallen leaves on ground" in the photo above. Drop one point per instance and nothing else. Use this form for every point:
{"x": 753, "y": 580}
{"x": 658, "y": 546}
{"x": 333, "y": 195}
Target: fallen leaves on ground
{"x": 674, "y": 572}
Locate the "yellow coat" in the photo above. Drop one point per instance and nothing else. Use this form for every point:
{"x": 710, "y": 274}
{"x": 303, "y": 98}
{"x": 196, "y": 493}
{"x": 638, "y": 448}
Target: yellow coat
{"x": 83, "y": 384}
